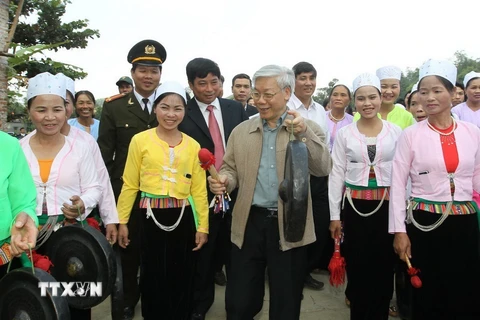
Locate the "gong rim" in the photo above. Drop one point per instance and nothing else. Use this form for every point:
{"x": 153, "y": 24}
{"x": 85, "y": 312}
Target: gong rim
{"x": 19, "y": 290}
{"x": 82, "y": 254}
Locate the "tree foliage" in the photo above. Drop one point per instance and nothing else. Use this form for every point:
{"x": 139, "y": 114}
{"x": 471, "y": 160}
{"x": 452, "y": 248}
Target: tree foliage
{"x": 409, "y": 78}
{"x": 48, "y": 29}
{"x": 323, "y": 93}
{"x": 16, "y": 110}
{"x": 21, "y": 57}
{"x": 98, "y": 108}
{"x": 40, "y": 30}
{"x": 464, "y": 65}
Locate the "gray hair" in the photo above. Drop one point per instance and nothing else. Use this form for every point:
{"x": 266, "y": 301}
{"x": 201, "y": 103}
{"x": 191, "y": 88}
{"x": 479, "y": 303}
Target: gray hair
{"x": 284, "y": 76}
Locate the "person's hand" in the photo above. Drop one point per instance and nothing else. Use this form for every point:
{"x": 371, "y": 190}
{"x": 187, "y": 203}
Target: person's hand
{"x": 218, "y": 186}
{"x": 71, "y": 211}
{"x": 111, "y": 233}
{"x": 299, "y": 125}
{"x": 200, "y": 239}
{"x": 123, "y": 240}
{"x": 335, "y": 228}
{"x": 23, "y": 234}
{"x": 402, "y": 246}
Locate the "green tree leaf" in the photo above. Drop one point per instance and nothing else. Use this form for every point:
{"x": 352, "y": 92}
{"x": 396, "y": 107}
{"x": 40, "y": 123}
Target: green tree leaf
{"x": 43, "y": 31}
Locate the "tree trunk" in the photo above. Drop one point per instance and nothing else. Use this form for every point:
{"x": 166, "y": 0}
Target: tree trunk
{"x": 3, "y": 63}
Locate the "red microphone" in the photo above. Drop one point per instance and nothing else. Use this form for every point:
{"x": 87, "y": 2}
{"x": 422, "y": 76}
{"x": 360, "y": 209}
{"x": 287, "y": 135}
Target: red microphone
{"x": 207, "y": 162}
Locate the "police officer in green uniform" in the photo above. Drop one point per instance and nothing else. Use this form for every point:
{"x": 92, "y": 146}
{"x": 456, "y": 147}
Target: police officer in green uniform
{"x": 123, "y": 116}
{"x": 124, "y": 84}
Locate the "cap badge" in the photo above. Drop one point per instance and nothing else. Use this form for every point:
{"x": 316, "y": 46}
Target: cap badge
{"x": 149, "y": 49}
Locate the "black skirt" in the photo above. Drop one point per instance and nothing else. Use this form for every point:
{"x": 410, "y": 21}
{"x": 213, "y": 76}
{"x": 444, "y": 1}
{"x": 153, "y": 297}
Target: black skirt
{"x": 369, "y": 255}
{"x": 449, "y": 260}
{"x": 167, "y": 265}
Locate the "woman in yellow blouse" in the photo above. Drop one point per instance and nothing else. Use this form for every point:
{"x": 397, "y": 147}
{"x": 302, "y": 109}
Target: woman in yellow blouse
{"x": 162, "y": 164}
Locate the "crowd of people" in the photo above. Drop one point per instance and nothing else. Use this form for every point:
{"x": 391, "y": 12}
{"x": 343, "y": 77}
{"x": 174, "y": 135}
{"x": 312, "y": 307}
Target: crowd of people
{"x": 393, "y": 182}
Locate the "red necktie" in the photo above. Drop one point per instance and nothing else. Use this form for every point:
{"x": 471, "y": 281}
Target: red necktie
{"x": 216, "y": 137}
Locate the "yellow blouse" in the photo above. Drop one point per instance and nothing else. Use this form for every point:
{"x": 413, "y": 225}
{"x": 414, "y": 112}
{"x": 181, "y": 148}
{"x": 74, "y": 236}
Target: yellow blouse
{"x": 151, "y": 167}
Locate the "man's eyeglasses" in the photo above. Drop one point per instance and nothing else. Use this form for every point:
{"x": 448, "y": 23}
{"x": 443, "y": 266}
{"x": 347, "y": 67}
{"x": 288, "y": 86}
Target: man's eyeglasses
{"x": 266, "y": 96}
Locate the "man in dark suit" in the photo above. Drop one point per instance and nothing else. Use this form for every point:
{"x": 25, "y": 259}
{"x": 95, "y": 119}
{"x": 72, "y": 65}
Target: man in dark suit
{"x": 123, "y": 116}
{"x": 241, "y": 89}
{"x": 209, "y": 120}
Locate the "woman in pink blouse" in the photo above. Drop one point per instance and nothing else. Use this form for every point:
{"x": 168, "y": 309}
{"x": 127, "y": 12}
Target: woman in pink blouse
{"x": 438, "y": 229}
{"x": 469, "y": 110}
{"x": 337, "y": 118}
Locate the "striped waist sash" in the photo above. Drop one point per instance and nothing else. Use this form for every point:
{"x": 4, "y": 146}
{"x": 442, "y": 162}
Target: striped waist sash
{"x": 444, "y": 209}
{"x": 161, "y": 202}
{"x": 458, "y": 208}
{"x": 365, "y": 194}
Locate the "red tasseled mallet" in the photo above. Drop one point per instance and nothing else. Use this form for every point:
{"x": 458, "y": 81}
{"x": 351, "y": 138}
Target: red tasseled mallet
{"x": 207, "y": 162}
{"x": 41, "y": 262}
{"x": 220, "y": 203}
{"x": 412, "y": 272}
{"x": 92, "y": 222}
{"x": 337, "y": 266}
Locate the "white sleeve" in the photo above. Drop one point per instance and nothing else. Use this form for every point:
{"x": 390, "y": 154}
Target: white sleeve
{"x": 398, "y": 189}
{"x": 91, "y": 191}
{"x": 336, "y": 180}
{"x": 107, "y": 205}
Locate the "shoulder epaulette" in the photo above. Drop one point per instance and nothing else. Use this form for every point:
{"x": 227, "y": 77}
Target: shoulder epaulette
{"x": 115, "y": 97}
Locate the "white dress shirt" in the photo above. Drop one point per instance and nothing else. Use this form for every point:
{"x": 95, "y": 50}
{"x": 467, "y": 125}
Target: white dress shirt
{"x": 314, "y": 112}
{"x": 151, "y": 100}
{"x": 217, "y": 111}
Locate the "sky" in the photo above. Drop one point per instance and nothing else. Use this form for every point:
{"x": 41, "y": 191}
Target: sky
{"x": 340, "y": 38}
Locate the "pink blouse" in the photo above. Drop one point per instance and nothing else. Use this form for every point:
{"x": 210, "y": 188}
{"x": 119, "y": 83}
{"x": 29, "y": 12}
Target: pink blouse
{"x": 419, "y": 156}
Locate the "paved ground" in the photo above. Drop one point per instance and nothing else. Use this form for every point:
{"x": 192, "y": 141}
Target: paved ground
{"x": 328, "y": 304}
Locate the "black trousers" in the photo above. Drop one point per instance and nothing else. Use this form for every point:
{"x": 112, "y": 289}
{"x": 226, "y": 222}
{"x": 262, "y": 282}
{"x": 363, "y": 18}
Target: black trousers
{"x": 130, "y": 258}
{"x": 204, "y": 284}
{"x": 449, "y": 263}
{"x": 369, "y": 255}
{"x": 222, "y": 248}
{"x": 246, "y": 282}
{"x": 321, "y": 220}
{"x": 167, "y": 265}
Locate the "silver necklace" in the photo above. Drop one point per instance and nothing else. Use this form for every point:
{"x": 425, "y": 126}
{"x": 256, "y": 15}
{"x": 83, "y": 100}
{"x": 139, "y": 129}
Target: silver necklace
{"x": 442, "y": 133}
{"x": 335, "y": 119}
